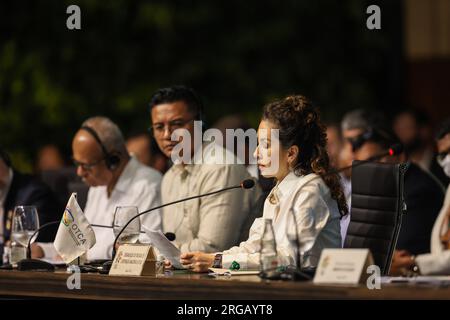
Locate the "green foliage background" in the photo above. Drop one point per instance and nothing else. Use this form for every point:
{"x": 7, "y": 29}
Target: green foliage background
{"x": 237, "y": 54}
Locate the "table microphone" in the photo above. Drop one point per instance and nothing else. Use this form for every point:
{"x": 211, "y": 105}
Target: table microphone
{"x": 245, "y": 184}
{"x": 170, "y": 236}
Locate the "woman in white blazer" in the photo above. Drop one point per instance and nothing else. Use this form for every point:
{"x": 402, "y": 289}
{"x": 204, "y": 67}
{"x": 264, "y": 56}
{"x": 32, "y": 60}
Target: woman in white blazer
{"x": 291, "y": 148}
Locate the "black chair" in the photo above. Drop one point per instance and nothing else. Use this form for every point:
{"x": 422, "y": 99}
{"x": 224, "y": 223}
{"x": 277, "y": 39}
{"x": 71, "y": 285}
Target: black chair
{"x": 376, "y": 209}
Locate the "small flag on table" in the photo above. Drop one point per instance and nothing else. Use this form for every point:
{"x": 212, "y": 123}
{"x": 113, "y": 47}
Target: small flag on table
{"x": 75, "y": 235}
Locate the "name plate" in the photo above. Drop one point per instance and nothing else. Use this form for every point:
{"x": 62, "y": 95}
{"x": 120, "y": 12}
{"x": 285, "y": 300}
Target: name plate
{"x": 343, "y": 266}
{"x": 134, "y": 260}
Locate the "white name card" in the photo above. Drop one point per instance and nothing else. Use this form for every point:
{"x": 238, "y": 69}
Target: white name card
{"x": 134, "y": 260}
{"x": 343, "y": 266}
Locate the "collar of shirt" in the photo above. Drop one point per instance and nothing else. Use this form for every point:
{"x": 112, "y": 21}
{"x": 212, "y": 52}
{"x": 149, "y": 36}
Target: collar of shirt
{"x": 283, "y": 188}
{"x": 126, "y": 178}
{"x": 183, "y": 169}
{"x": 201, "y": 156}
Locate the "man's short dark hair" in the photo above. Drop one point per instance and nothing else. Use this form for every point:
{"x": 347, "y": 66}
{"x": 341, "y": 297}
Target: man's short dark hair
{"x": 443, "y": 129}
{"x": 179, "y": 93}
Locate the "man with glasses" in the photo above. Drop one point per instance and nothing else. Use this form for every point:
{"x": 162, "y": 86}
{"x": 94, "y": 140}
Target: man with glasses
{"x": 115, "y": 179}
{"x": 209, "y": 224}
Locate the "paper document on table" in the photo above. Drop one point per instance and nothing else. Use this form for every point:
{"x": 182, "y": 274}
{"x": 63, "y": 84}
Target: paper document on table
{"x": 228, "y": 272}
{"x": 165, "y": 247}
{"x": 431, "y": 280}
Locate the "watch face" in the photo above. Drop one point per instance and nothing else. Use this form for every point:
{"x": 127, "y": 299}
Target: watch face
{"x": 218, "y": 261}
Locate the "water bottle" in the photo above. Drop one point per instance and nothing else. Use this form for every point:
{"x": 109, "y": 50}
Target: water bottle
{"x": 6, "y": 254}
{"x": 268, "y": 253}
{"x": 18, "y": 252}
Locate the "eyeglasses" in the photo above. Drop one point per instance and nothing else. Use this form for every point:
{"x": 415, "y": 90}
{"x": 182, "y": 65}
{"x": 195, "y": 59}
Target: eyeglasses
{"x": 86, "y": 166}
{"x": 441, "y": 155}
{"x": 356, "y": 142}
{"x": 370, "y": 134}
{"x": 159, "y": 128}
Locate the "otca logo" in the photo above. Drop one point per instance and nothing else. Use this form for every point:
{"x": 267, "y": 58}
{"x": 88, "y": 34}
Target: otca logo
{"x": 67, "y": 217}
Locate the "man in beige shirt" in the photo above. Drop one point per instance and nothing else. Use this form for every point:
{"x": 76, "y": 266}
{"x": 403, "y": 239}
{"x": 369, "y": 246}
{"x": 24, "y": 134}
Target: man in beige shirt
{"x": 211, "y": 223}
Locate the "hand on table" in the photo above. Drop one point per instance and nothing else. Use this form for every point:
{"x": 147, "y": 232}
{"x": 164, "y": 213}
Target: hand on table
{"x": 402, "y": 261}
{"x": 197, "y": 261}
{"x": 36, "y": 251}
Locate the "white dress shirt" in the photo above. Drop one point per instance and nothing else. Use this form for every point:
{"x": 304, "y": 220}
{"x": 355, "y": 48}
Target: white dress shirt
{"x": 345, "y": 220}
{"x": 139, "y": 186}
{"x": 315, "y": 211}
{"x": 438, "y": 261}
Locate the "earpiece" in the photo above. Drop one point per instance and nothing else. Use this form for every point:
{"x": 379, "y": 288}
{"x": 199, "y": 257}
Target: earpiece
{"x": 112, "y": 160}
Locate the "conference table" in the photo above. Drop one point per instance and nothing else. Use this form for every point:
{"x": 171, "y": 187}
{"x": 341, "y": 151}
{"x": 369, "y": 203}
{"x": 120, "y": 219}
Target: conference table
{"x": 190, "y": 286}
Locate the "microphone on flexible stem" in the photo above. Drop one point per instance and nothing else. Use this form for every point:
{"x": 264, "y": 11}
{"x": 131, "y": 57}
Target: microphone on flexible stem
{"x": 393, "y": 150}
{"x": 297, "y": 274}
{"x": 170, "y": 236}
{"x": 246, "y": 184}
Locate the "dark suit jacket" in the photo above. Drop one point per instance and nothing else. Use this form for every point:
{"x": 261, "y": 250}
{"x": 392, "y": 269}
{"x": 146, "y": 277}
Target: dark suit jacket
{"x": 26, "y": 190}
{"x": 424, "y": 197}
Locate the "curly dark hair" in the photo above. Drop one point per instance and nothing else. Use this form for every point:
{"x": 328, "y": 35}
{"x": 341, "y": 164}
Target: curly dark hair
{"x": 299, "y": 124}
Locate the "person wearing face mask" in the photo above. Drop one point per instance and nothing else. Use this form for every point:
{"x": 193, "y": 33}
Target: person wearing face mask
{"x": 438, "y": 260}
{"x": 413, "y": 129}
{"x": 298, "y": 160}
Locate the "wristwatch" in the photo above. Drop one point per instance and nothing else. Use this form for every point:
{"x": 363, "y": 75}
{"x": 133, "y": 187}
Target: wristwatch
{"x": 217, "y": 261}
{"x": 415, "y": 268}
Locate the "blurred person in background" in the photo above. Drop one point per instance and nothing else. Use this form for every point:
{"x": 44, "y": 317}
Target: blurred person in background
{"x": 49, "y": 157}
{"x": 423, "y": 193}
{"x": 414, "y": 130}
{"x": 340, "y": 158}
{"x": 437, "y": 261}
{"x": 18, "y": 189}
{"x": 144, "y": 148}
{"x": 334, "y": 145}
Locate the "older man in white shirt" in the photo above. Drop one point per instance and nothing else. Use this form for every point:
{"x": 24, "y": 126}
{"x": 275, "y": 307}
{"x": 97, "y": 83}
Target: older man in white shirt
{"x": 115, "y": 179}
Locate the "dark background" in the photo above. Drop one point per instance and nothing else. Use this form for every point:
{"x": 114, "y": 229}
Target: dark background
{"x": 238, "y": 55}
